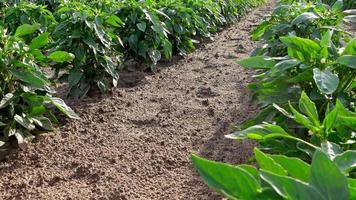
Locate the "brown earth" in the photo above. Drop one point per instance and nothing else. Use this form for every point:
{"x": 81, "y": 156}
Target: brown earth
{"x": 136, "y": 142}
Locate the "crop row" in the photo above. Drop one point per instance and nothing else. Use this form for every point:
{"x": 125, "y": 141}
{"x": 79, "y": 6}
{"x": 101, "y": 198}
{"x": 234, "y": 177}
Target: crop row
{"x": 85, "y": 44}
{"x": 305, "y": 85}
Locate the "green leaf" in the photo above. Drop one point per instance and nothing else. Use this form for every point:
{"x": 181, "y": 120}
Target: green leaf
{"x": 267, "y": 163}
{"x": 257, "y": 62}
{"x": 290, "y": 188}
{"x": 326, "y": 81}
{"x": 346, "y": 161}
{"x": 74, "y": 76}
{"x": 167, "y": 47}
{"x": 43, "y": 122}
{"x": 305, "y": 17}
{"x": 141, "y": 26}
{"x": 294, "y": 166}
{"x": 301, "y": 48}
{"x": 350, "y": 48}
{"x": 61, "y": 56}
{"x": 39, "y": 41}
{"x": 257, "y": 132}
{"x": 347, "y": 60}
{"x": 308, "y": 107}
{"x": 29, "y": 77}
{"x": 155, "y": 56}
{"x": 232, "y": 181}
{"x": 338, "y": 6}
{"x": 330, "y": 119}
{"x": 327, "y": 178}
{"x": 59, "y": 103}
{"x": 331, "y": 149}
{"x": 26, "y": 29}
{"x": 301, "y": 119}
{"x": 114, "y": 21}
{"x": 25, "y": 122}
{"x": 6, "y": 100}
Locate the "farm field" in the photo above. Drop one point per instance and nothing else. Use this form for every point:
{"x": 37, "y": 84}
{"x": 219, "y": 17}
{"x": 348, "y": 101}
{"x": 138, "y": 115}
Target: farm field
{"x": 135, "y": 143}
{"x": 184, "y": 99}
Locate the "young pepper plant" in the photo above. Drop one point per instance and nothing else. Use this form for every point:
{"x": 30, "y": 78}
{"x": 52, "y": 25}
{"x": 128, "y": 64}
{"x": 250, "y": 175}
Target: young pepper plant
{"x": 281, "y": 177}
{"x": 338, "y": 126}
{"x": 25, "y": 92}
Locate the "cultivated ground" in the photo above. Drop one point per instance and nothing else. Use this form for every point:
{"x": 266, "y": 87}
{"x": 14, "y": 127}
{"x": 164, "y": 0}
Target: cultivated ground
{"x": 136, "y": 142}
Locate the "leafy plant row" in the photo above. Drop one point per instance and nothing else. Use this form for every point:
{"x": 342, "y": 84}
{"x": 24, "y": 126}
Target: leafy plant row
{"x": 85, "y": 44}
{"x": 104, "y": 34}
{"x": 305, "y": 86}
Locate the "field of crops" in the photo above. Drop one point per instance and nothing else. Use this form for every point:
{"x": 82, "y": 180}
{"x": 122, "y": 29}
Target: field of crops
{"x": 153, "y": 87}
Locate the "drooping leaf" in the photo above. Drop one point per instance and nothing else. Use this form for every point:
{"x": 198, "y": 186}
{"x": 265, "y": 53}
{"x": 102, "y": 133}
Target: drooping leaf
{"x": 26, "y": 29}
{"x": 229, "y": 180}
{"x": 59, "y": 103}
{"x": 257, "y": 62}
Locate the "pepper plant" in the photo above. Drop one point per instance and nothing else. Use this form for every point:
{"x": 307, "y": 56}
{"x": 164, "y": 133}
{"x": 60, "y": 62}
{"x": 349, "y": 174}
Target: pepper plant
{"x": 26, "y": 96}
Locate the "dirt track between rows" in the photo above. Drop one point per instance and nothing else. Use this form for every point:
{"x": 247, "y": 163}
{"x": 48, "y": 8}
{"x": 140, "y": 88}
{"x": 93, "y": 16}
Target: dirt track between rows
{"x": 136, "y": 142}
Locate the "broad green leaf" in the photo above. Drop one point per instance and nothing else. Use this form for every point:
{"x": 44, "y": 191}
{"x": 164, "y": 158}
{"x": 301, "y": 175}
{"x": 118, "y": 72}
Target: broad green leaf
{"x": 257, "y": 62}
{"x": 326, "y": 40}
{"x": 61, "y": 56}
{"x": 327, "y": 178}
{"x": 267, "y": 163}
{"x": 29, "y": 77}
{"x": 301, "y": 48}
{"x": 252, "y": 170}
{"x": 350, "y": 48}
{"x": 39, "y": 41}
{"x": 346, "y": 161}
{"x": 43, "y": 122}
{"x": 326, "y": 81}
{"x": 330, "y": 119}
{"x": 74, "y": 76}
{"x": 290, "y": 188}
{"x": 352, "y": 188}
{"x": 331, "y": 149}
{"x": 141, "y": 26}
{"x": 59, "y": 103}
{"x": 114, "y": 21}
{"x": 294, "y": 166}
{"x": 6, "y": 100}
{"x": 26, "y": 29}
{"x": 25, "y": 122}
{"x": 232, "y": 181}
{"x": 167, "y": 47}
{"x": 308, "y": 107}
{"x": 347, "y": 60}
{"x": 338, "y": 6}
{"x": 257, "y": 132}
{"x": 305, "y": 17}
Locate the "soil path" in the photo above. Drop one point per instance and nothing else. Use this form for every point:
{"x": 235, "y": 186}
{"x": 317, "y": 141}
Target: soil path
{"x": 136, "y": 143}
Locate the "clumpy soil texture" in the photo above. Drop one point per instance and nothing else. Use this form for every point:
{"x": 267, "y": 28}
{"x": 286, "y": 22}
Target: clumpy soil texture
{"x": 136, "y": 142}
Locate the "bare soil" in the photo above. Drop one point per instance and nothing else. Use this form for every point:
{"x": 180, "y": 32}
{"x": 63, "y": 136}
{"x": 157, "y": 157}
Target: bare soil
{"x": 136, "y": 142}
